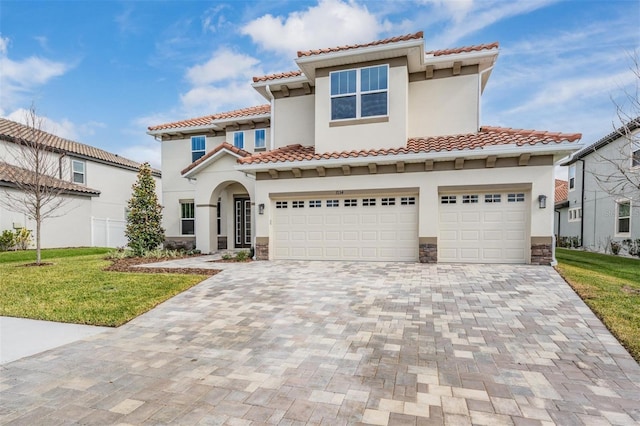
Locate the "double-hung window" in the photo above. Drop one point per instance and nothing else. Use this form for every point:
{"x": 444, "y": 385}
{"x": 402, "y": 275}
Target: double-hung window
{"x": 198, "y": 144}
{"x": 572, "y": 176}
{"x": 77, "y": 171}
{"x": 238, "y": 140}
{"x": 187, "y": 218}
{"x": 623, "y": 217}
{"x": 260, "y": 139}
{"x": 635, "y": 155}
{"x": 360, "y": 93}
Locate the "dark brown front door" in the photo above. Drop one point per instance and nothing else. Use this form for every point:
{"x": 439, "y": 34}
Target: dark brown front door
{"x": 242, "y": 222}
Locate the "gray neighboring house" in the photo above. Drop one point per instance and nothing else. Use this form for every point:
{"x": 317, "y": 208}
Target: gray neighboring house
{"x": 590, "y": 215}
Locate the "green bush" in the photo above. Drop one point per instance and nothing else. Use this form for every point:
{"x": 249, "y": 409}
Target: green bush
{"x": 7, "y": 240}
{"x": 241, "y": 256}
{"x": 144, "y": 230}
{"x": 22, "y": 238}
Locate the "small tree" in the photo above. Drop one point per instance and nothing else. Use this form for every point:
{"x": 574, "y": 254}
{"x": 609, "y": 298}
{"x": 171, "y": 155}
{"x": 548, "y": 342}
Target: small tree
{"x": 35, "y": 173}
{"x": 144, "y": 230}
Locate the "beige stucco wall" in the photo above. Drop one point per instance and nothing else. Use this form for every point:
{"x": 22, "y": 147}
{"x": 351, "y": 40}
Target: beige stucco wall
{"x": 540, "y": 178}
{"x": 249, "y": 139}
{"x": 444, "y": 106}
{"x": 293, "y": 120}
{"x": 389, "y": 134}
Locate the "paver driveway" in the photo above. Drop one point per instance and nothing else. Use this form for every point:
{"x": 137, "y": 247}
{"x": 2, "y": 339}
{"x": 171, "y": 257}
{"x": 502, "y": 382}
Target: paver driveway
{"x": 336, "y": 343}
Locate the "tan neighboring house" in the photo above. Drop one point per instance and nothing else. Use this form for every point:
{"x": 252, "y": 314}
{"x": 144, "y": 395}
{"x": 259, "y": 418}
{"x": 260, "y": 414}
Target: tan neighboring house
{"x": 366, "y": 152}
{"x": 96, "y": 183}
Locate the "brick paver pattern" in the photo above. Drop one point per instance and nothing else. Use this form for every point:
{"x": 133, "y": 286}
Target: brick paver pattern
{"x": 290, "y": 342}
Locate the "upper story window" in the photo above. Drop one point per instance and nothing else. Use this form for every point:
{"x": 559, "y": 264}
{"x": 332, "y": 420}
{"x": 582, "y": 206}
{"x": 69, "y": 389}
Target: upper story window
{"x": 78, "y": 172}
{"x": 572, "y": 176}
{"x": 635, "y": 156}
{"x": 238, "y": 140}
{"x": 359, "y": 93}
{"x": 198, "y": 144}
{"x": 260, "y": 138}
{"x": 623, "y": 217}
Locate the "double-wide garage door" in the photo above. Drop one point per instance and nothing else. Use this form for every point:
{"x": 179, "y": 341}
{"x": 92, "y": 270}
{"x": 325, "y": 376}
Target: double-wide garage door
{"x": 483, "y": 227}
{"x": 371, "y": 227}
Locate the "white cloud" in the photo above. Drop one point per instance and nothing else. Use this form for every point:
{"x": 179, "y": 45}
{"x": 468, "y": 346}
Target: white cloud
{"x": 20, "y": 78}
{"x": 144, "y": 151}
{"x": 64, "y": 129}
{"x": 223, "y": 65}
{"x": 330, "y": 23}
{"x": 202, "y": 100}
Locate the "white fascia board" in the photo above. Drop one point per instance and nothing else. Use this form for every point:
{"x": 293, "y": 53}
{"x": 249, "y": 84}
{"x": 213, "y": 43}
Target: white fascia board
{"x": 283, "y": 81}
{"x": 190, "y": 129}
{"x": 210, "y": 160}
{"x": 412, "y": 158}
{"x": 238, "y": 119}
{"x": 465, "y": 57}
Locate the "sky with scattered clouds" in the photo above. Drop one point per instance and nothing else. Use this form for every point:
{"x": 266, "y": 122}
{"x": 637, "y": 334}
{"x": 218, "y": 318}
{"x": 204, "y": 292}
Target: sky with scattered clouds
{"x": 101, "y": 72}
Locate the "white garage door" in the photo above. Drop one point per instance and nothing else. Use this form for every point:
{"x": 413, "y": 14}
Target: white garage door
{"x": 372, "y": 227}
{"x": 483, "y": 227}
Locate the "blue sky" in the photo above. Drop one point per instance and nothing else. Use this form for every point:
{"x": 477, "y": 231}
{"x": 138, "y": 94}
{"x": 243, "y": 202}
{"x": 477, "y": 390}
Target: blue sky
{"x": 102, "y": 71}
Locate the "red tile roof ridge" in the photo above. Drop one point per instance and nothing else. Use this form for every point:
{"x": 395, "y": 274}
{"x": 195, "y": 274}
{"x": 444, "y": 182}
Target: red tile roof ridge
{"x": 556, "y": 136}
{"x": 277, "y": 76}
{"x": 214, "y": 151}
{"x": 464, "y": 49}
{"x": 561, "y": 190}
{"x": 207, "y": 119}
{"x": 406, "y": 37}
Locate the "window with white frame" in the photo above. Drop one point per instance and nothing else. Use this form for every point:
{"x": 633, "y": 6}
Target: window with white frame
{"x": 78, "y": 172}
{"x": 187, "y": 218}
{"x": 351, "y": 202}
{"x": 238, "y": 140}
{"x": 623, "y": 217}
{"x": 572, "y": 176}
{"x": 315, "y": 203}
{"x": 333, "y": 203}
{"x": 575, "y": 214}
{"x": 198, "y": 147}
{"x": 359, "y": 93}
{"x": 492, "y": 198}
{"x": 635, "y": 155}
{"x": 260, "y": 138}
{"x": 447, "y": 199}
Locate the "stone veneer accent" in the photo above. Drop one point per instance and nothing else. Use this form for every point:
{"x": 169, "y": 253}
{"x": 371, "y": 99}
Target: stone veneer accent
{"x": 262, "y": 248}
{"x": 180, "y": 243}
{"x": 428, "y": 250}
{"x": 541, "y": 250}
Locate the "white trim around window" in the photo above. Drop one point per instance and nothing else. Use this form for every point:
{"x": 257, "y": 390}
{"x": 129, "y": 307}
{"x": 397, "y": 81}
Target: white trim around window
{"x": 198, "y": 147}
{"x": 187, "y": 218}
{"x": 635, "y": 156}
{"x": 359, "y": 93}
{"x": 623, "y": 218}
{"x": 78, "y": 172}
{"x": 575, "y": 214}
{"x": 260, "y": 139}
{"x": 572, "y": 177}
{"x": 238, "y": 140}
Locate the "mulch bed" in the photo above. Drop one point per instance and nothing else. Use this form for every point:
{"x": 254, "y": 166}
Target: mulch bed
{"x": 129, "y": 265}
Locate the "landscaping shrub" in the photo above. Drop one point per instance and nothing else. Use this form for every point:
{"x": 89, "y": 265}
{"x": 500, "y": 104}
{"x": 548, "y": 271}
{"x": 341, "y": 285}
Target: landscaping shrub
{"x": 22, "y": 239}
{"x": 144, "y": 230}
{"x": 7, "y": 240}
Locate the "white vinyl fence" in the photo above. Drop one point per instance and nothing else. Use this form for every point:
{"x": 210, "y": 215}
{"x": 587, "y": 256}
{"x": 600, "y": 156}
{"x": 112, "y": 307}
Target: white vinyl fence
{"x": 107, "y": 232}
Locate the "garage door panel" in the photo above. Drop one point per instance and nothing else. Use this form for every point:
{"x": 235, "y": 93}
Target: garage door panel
{"x": 360, "y": 230}
{"x": 492, "y": 232}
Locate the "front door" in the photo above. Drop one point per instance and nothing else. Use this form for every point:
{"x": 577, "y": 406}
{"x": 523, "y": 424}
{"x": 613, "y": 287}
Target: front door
{"x": 242, "y": 222}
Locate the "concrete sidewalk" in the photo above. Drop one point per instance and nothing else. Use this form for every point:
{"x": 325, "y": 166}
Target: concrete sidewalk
{"x": 20, "y": 337}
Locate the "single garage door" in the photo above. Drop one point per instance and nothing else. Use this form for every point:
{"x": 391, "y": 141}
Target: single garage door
{"x": 372, "y": 227}
{"x": 483, "y": 227}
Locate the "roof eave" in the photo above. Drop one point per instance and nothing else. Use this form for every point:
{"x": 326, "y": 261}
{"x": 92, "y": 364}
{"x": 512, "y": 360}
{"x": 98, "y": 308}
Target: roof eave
{"x": 501, "y": 151}
{"x": 189, "y": 174}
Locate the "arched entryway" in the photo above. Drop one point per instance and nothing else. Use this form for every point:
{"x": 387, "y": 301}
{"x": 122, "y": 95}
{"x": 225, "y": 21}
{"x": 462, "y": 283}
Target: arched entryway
{"x": 231, "y": 218}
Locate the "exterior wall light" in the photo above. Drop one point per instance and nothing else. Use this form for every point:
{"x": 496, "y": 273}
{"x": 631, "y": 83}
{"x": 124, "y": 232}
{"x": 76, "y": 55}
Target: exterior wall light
{"x": 542, "y": 201}
{"x": 260, "y": 208}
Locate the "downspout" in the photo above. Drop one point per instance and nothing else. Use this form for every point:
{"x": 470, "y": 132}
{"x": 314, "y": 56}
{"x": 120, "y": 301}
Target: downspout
{"x": 480, "y": 74}
{"x": 60, "y": 165}
{"x": 559, "y": 219}
{"x": 271, "y": 126}
{"x": 582, "y": 207}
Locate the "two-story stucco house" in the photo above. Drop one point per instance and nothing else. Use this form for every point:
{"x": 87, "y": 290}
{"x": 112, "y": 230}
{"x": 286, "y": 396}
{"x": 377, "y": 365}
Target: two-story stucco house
{"x": 97, "y": 185}
{"x": 602, "y": 199}
{"x": 366, "y": 152}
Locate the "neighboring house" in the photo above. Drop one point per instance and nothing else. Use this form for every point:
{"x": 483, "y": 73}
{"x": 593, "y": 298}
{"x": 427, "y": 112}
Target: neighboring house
{"x": 97, "y": 186}
{"x": 366, "y": 152}
{"x": 595, "y": 212}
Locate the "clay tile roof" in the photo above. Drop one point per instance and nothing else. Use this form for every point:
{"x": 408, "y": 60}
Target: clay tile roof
{"x": 415, "y": 36}
{"x": 214, "y": 151}
{"x": 207, "y": 119}
{"x": 486, "y": 137}
{"x": 10, "y": 174}
{"x": 11, "y": 131}
{"x": 562, "y": 190}
{"x": 277, "y": 76}
{"x": 464, "y": 49}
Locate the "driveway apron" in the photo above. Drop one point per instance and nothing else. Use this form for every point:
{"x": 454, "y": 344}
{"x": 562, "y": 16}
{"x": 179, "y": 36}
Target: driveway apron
{"x": 290, "y": 342}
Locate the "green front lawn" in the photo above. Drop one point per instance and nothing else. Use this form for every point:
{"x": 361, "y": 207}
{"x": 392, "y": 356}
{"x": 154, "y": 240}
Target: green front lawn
{"x": 76, "y": 289}
{"x": 610, "y": 285}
